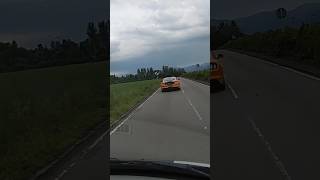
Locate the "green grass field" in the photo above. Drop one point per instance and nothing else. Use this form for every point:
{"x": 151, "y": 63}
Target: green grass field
{"x": 198, "y": 75}
{"x": 123, "y": 96}
{"x": 44, "y": 111}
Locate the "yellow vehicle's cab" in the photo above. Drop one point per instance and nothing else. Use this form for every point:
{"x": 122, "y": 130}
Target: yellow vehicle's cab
{"x": 217, "y": 75}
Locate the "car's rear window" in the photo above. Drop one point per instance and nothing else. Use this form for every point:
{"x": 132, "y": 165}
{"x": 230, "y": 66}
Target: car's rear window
{"x": 169, "y": 79}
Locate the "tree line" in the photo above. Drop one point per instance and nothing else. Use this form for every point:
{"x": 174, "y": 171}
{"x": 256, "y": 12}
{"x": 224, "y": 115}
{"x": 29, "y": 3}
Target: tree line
{"x": 147, "y": 74}
{"x": 223, "y": 32}
{"x": 203, "y": 75}
{"x": 301, "y": 44}
{"x": 93, "y": 49}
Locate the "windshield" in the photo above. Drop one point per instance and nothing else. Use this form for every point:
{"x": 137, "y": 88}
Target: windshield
{"x": 153, "y": 119}
{"x": 169, "y": 79}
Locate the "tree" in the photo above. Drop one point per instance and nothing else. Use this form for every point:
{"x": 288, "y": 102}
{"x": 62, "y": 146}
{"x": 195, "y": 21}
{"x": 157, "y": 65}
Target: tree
{"x": 91, "y": 30}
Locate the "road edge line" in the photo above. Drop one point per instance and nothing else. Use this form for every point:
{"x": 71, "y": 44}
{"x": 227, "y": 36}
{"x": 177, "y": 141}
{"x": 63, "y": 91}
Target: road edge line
{"x": 129, "y": 113}
{"x": 267, "y": 60}
{"x": 199, "y": 81}
{"x": 72, "y": 147}
{"x": 68, "y": 150}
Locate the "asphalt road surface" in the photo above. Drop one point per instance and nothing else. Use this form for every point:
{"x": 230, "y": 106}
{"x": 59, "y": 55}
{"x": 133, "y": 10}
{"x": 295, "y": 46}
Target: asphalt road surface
{"x": 266, "y": 123}
{"x": 171, "y": 125}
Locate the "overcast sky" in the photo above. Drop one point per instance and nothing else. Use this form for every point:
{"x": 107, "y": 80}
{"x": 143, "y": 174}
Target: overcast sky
{"x": 30, "y": 22}
{"x": 230, "y": 9}
{"x": 143, "y": 32}
{"x": 152, "y": 33}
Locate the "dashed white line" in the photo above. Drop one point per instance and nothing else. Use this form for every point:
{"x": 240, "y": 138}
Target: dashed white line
{"x": 194, "y": 109}
{"x": 72, "y": 164}
{"x": 235, "y": 95}
{"x": 61, "y": 174}
{"x": 182, "y": 89}
{"x": 275, "y": 158}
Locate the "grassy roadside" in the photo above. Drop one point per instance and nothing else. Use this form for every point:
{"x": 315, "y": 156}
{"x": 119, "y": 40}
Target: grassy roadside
{"x": 44, "y": 111}
{"x": 198, "y": 75}
{"x": 123, "y": 96}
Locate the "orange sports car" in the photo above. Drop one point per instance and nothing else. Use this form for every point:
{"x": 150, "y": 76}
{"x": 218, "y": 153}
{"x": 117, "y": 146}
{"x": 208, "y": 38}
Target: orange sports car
{"x": 170, "y": 83}
{"x": 217, "y": 75}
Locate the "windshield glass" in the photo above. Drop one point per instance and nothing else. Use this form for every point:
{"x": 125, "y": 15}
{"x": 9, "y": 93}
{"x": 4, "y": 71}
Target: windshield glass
{"x": 153, "y": 119}
{"x": 169, "y": 79}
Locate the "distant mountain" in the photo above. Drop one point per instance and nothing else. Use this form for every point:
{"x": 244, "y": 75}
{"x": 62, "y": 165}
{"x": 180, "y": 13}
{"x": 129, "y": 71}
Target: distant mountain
{"x": 267, "y": 20}
{"x": 216, "y": 22}
{"x": 194, "y": 67}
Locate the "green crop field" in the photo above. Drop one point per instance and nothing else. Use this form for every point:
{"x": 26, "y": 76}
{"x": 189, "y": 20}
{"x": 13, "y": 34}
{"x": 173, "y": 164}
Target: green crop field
{"x": 124, "y": 96}
{"x": 198, "y": 75}
{"x": 43, "y": 111}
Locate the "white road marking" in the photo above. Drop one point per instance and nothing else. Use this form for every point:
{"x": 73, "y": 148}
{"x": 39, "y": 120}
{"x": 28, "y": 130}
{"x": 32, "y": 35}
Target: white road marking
{"x": 115, "y": 129}
{"x": 290, "y": 69}
{"x": 301, "y": 73}
{"x": 98, "y": 140}
{"x": 196, "y": 83}
{"x": 275, "y": 158}
{"x": 61, "y": 174}
{"x": 235, "y": 95}
{"x": 71, "y": 165}
{"x": 150, "y": 97}
{"x": 194, "y": 109}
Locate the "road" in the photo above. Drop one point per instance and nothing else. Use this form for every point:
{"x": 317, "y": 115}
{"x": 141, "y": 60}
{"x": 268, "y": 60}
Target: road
{"x": 265, "y": 125}
{"x": 168, "y": 126}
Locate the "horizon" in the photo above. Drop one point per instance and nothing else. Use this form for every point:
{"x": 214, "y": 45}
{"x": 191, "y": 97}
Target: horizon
{"x": 222, "y": 9}
{"x": 153, "y": 33}
{"x": 262, "y": 11}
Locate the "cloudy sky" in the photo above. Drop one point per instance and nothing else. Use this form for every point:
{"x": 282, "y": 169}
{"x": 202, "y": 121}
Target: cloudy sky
{"x": 152, "y": 33}
{"x": 229, "y": 9}
{"x": 30, "y": 22}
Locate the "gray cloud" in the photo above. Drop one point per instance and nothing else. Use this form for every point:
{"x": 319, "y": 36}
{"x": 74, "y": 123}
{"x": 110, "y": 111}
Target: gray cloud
{"x": 50, "y": 18}
{"x": 147, "y": 27}
{"x": 184, "y": 53}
